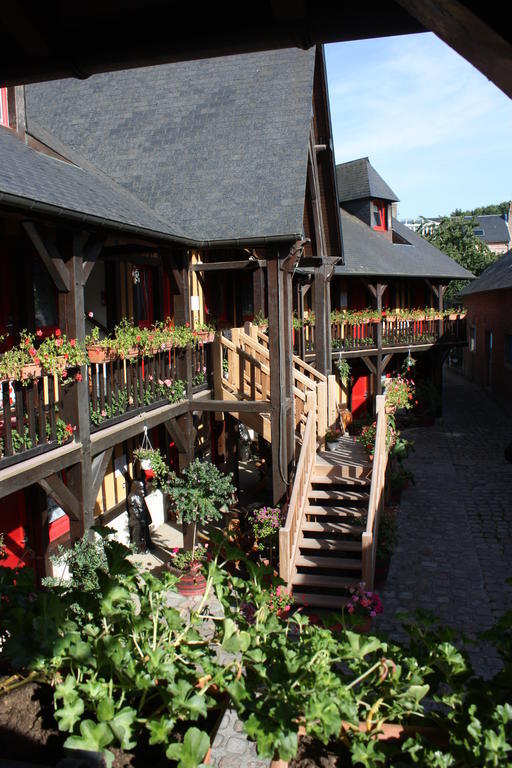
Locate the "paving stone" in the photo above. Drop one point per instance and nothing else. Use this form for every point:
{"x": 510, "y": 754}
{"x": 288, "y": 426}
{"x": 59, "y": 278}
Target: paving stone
{"x": 454, "y": 550}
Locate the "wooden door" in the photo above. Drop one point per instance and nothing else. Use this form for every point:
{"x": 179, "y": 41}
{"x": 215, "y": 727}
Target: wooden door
{"x": 13, "y": 527}
{"x": 360, "y": 401}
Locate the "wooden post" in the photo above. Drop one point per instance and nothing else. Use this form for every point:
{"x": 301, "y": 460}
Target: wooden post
{"x": 331, "y": 401}
{"x": 75, "y": 398}
{"x": 322, "y": 307}
{"x": 258, "y": 287}
{"x": 379, "y": 292}
{"x": 281, "y": 380}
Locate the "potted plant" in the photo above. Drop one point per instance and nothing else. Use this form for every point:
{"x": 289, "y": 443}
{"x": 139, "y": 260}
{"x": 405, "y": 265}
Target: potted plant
{"x": 97, "y": 349}
{"x": 361, "y": 608}
{"x": 151, "y": 460}
{"x": 205, "y": 331}
{"x": 21, "y": 363}
{"x": 331, "y": 440}
{"x": 57, "y": 353}
{"x": 265, "y": 523}
{"x": 201, "y": 495}
{"x": 399, "y": 393}
{"x": 343, "y": 367}
{"x": 399, "y": 481}
{"x": 188, "y": 565}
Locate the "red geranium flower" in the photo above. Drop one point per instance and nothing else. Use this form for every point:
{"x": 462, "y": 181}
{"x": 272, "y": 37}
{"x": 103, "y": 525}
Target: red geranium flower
{"x": 72, "y": 342}
{"x": 39, "y": 332}
{"x": 58, "y": 332}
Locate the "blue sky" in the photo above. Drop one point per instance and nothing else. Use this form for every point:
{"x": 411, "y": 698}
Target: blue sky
{"x": 435, "y": 128}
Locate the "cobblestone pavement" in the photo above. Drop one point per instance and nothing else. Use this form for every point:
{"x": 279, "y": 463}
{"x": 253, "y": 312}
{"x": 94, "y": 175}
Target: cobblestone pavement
{"x": 231, "y": 748}
{"x": 455, "y": 525}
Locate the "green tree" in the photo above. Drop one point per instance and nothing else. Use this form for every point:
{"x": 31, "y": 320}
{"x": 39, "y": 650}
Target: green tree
{"x": 484, "y": 210}
{"x": 455, "y": 237}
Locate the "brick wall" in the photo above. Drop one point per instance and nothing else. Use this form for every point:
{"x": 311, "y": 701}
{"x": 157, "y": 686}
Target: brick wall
{"x": 490, "y": 312}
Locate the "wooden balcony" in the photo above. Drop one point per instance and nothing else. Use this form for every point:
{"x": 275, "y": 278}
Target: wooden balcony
{"x": 361, "y": 339}
{"x": 120, "y": 395}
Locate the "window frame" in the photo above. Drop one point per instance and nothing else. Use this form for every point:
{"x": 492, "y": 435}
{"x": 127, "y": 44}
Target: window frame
{"x": 379, "y": 209}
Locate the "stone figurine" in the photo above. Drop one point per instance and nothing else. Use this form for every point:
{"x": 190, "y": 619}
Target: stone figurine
{"x": 139, "y": 518}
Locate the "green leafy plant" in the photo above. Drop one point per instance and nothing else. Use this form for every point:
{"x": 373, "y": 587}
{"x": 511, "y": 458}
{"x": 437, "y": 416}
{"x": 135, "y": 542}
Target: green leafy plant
{"x": 344, "y": 368}
{"x": 182, "y": 561}
{"x": 57, "y": 353}
{"x": 202, "y": 494}
{"x": 21, "y": 441}
{"x": 399, "y": 392}
{"x": 260, "y": 320}
{"x": 387, "y": 534}
{"x": 331, "y": 436}
{"x": 158, "y": 465}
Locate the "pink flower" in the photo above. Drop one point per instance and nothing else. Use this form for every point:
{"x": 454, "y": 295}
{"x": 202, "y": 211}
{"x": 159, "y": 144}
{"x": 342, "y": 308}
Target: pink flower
{"x": 90, "y": 314}
{"x": 373, "y": 614}
{"x": 350, "y": 608}
{"x": 39, "y": 332}
{"x": 103, "y": 413}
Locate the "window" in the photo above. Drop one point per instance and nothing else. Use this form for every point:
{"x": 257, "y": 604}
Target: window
{"x": 508, "y": 349}
{"x": 4, "y": 112}
{"x": 379, "y": 215}
{"x": 472, "y": 339}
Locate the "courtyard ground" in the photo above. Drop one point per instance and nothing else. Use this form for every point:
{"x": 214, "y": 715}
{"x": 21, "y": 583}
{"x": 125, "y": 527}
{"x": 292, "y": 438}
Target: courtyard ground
{"x": 454, "y": 550}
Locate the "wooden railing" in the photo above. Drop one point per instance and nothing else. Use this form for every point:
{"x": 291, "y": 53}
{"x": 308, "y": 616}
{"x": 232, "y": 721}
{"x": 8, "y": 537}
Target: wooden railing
{"x": 376, "y": 502}
{"x": 307, "y": 379}
{"x": 30, "y": 418}
{"x": 290, "y": 533}
{"x": 346, "y": 336}
{"x": 397, "y": 332}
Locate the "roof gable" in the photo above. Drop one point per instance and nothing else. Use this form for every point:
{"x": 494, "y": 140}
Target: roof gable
{"x": 217, "y": 147}
{"x": 358, "y": 179}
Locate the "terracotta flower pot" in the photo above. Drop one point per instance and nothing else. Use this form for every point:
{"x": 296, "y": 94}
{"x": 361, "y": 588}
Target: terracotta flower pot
{"x": 192, "y": 583}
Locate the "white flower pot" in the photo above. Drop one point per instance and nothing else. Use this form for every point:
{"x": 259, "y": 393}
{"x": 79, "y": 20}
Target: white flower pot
{"x": 145, "y": 464}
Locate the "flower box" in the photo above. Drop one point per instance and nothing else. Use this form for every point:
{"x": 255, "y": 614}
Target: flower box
{"x": 97, "y": 353}
{"x": 31, "y": 371}
{"x": 206, "y": 336}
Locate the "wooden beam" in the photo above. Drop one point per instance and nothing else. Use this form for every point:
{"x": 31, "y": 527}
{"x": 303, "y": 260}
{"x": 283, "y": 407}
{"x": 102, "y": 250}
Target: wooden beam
{"x": 30, "y": 471}
{"x": 117, "y": 433}
{"x": 370, "y": 365}
{"x": 464, "y": 27}
{"x": 176, "y": 433}
{"x": 372, "y": 289}
{"x": 91, "y": 252}
{"x": 62, "y": 495}
{"x": 50, "y": 257}
{"x": 214, "y": 266}
{"x": 385, "y": 361}
{"x": 238, "y": 406}
{"x": 258, "y": 290}
{"x": 99, "y": 467}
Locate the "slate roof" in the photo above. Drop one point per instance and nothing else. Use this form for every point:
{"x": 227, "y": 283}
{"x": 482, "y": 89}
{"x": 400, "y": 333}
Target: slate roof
{"x": 358, "y": 179}
{"x": 494, "y": 278}
{"x": 368, "y": 253}
{"x": 494, "y": 227}
{"x": 31, "y": 179}
{"x": 217, "y": 148}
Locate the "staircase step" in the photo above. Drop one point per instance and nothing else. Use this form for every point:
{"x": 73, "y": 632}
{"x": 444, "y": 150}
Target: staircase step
{"x": 336, "y": 545}
{"x": 340, "y": 470}
{"x": 355, "y": 497}
{"x": 327, "y": 480}
{"x": 331, "y": 527}
{"x": 307, "y": 580}
{"x": 333, "y": 495}
{"x": 335, "y": 602}
{"x": 313, "y": 509}
{"x": 337, "y": 563}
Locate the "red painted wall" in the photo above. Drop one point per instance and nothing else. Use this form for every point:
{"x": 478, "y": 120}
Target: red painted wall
{"x": 490, "y": 312}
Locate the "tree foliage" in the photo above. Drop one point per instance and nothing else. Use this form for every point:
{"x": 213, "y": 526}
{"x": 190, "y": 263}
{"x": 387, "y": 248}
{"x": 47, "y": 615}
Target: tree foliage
{"x": 455, "y": 237}
{"x": 484, "y": 210}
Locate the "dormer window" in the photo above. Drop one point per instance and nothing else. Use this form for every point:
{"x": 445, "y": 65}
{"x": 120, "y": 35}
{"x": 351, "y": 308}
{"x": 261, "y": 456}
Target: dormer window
{"x": 379, "y": 215}
{"x": 4, "y": 112}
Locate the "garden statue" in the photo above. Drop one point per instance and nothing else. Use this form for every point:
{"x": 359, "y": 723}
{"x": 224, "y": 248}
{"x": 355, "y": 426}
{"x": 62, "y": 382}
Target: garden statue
{"x": 139, "y": 518}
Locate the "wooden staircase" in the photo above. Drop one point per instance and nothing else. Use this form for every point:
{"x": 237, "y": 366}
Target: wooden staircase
{"x": 329, "y": 558}
{"x": 329, "y": 541}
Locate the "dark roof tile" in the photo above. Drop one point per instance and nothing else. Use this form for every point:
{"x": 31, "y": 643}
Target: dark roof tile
{"x": 358, "y": 179}
{"x": 496, "y": 277}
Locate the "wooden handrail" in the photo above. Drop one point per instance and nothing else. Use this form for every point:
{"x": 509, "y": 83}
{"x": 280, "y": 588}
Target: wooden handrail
{"x": 290, "y": 532}
{"x": 376, "y": 502}
{"x": 316, "y": 375}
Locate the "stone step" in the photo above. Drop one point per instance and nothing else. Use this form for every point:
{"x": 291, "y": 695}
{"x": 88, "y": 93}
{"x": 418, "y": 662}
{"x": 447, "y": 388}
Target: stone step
{"x": 336, "y": 545}
{"x": 331, "y": 527}
{"x": 336, "y": 563}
